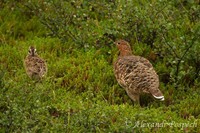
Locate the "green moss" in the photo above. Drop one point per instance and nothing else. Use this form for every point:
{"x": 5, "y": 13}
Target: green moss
{"x": 80, "y": 92}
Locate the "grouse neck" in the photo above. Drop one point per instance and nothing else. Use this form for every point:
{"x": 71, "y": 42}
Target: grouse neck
{"x": 125, "y": 53}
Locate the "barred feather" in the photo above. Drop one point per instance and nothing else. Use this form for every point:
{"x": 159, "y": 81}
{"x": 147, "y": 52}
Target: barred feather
{"x": 135, "y": 74}
{"x": 35, "y": 66}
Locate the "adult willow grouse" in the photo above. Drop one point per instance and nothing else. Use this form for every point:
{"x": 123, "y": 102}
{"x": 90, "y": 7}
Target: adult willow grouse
{"x": 135, "y": 74}
{"x": 35, "y": 66}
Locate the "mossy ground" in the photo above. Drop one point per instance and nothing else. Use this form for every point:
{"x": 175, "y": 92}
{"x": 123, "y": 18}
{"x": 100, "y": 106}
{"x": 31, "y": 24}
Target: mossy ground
{"x": 80, "y": 93}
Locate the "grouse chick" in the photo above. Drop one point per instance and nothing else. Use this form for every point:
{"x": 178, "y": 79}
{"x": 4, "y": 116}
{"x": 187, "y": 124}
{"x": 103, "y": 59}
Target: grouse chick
{"x": 35, "y": 66}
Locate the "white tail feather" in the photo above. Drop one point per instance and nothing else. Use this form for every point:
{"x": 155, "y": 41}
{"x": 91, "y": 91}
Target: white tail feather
{"x": 161, "y": 98}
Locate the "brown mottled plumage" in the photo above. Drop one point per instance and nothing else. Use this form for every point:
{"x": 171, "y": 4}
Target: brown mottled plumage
{"x": 35, "y": 66}
{"x": 135, "y": 74}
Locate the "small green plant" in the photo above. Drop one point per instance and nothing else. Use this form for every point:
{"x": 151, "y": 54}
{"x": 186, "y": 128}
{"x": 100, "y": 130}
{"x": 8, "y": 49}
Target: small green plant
{"x": 80, "y": 92}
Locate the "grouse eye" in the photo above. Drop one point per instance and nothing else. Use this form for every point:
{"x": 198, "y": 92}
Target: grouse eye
{"x": 118, "y": 43}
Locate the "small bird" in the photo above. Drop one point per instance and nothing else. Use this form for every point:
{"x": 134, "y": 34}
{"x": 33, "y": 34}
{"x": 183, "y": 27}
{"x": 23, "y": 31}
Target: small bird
{"x": 135, "y": 73}
{"x": 35, "y": 66}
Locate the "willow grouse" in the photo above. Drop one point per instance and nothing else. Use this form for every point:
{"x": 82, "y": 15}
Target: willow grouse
{"x": 35, "y": 66}
{"x": 135, "y": 74}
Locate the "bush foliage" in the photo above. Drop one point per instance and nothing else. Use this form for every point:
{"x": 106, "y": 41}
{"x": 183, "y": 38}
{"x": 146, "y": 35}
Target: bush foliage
{"x": 80, "y": 93}
{"x": 170, "y": 29}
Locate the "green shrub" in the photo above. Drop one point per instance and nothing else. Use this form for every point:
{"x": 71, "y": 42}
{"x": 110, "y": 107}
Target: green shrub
{"x": 80, "y": 93}
{"x": 15, "y": 25}
{"x": 78, "y": 21}
{"x": 169, "y": 28}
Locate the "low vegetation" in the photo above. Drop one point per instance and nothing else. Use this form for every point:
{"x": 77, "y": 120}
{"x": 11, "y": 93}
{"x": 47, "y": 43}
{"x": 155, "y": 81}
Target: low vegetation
{"x": 80, "y": 93}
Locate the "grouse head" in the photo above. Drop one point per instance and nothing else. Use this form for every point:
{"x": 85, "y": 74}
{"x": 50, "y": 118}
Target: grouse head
{"x": 32, "y": 51}
{"x": 124, "y": 48}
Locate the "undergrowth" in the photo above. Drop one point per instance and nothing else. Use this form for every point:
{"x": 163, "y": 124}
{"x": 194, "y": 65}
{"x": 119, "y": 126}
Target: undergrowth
{"x": 80, "y": 93}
